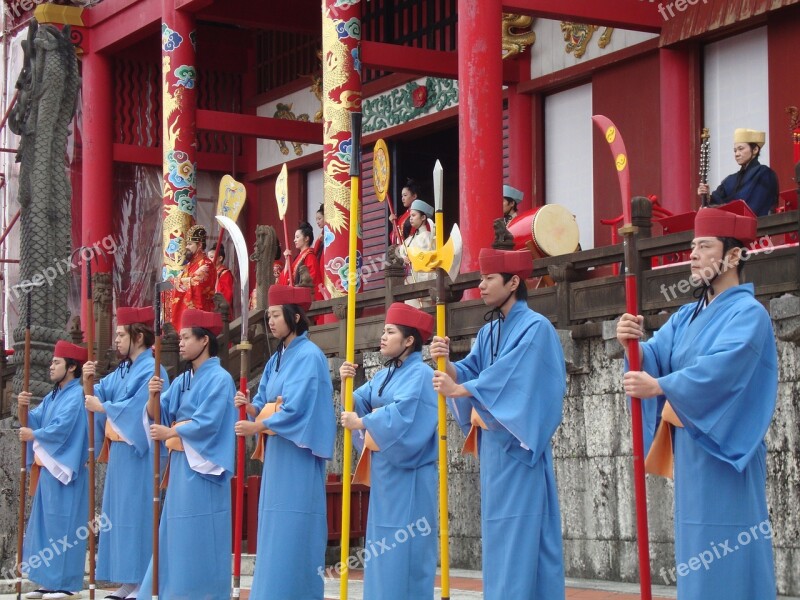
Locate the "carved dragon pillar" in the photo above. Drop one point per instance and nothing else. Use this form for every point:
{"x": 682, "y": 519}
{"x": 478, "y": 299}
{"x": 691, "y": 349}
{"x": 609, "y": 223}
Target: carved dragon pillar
{"x": 179, "y": 143}
{"x": 341, "y": 94}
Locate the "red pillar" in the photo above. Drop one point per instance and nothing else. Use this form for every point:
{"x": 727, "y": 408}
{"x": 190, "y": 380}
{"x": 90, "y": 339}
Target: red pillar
{"x": 480, "y": 124}
{"x": 98, "y": 164}
{"x": 678, "y": 140}
{"x": 179, "y": 142}
{"x": 520, "y": 144}
{"x": 341, "y": 94}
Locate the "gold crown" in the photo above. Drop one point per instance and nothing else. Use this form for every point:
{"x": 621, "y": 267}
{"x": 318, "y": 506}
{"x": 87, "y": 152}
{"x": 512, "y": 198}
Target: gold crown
{"x": 196, "y": 233}
{"x": 749, "y": 136}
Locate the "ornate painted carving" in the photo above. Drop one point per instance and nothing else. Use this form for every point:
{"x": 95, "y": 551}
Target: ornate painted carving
{"x": 517, "y": 34}
{"x": 284, "y": 111}
{"x": 401, "y": 104}
{"x": 341, "y": 95}
{"x": 578, "y": 36}
{"x": 179, "y": 143}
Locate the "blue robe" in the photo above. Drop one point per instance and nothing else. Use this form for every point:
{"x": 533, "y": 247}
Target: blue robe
{"x": 403, "y": 495}
{"x": 125, "y": 549}
{"x": 59, "y": 510}
{"x": 195, "y": 531}
{"x": 720, "y": 374}
{"x": 757, "y": 185}
{"x": 292, "y": 514}
{"x": 519, "y": 396}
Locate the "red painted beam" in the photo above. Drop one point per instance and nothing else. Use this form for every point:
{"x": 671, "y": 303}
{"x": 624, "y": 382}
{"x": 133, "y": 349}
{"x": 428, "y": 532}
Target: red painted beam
{"x": 261, "y": 127}
{"x": 420, "y": 61}
{"x": 192, "y": 6}
{"x": 116, "y": 24}
{"x": 143, "y": 155}
{"x": 301, "y": 16}
{"x": 638, "y": 15}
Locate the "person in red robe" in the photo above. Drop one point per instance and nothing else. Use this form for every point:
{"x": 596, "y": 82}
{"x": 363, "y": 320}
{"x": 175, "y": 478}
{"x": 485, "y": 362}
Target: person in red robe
{"x": 303, "y": 240}
{"x": 224, "y": 276}
{"x": 194, "y": 287}
{"x": 410, "y": 193}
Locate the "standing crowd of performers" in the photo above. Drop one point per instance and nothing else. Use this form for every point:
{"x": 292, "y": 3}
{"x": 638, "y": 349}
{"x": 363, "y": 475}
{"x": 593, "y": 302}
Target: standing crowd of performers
{"x": 709, "y": 384}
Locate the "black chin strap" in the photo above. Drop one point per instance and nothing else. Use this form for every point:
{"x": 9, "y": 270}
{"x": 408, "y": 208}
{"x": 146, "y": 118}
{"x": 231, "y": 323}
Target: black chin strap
{"x": 492, "y": 316}
{"x": 393, "y": 364}
{"x": 188, "y": 370}
{"x": 124, "y": 365}
{"x": 281, "y": 350}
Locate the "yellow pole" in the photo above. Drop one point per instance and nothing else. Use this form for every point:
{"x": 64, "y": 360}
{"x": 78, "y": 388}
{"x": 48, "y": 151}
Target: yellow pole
{"x": 352, "y": 283}
{"x": 441, "y": 365}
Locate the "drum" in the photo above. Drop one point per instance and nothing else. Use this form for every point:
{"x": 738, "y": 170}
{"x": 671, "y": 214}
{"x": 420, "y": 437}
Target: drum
{"x": 551, "y": 230}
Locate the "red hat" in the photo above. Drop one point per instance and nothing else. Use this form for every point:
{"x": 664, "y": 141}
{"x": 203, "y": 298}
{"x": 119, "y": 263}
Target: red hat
{"x": 127, "y": 315}
{"x": 193, "y": 317}
{"x": 505, "y": 261}
{"x": 734, "y": 220}
{"x": 400, "y": 313}
{"x": 287, "y": 294}
{"x": 66, "y": 350}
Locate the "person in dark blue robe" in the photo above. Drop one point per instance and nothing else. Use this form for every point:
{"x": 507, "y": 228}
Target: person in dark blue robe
{"x": 709, "y": 384}
{"x": 292, "y": 414}
{"x": 198, "y": 419}
{"x": 395, "y": 420}
{"x": 754, "y": 183}
{"x": 508, "y": 393}
{"x": 58, "y": 449}
{"x": 119, "y": 402}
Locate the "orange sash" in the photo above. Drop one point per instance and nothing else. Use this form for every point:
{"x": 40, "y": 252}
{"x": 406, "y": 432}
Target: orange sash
{"x": 471, "y": 443}
{"x": 176, "y": 444}
{"x": 111, "y": 436}
{"x": 270, "y": 408}
{"x": 36, "y": 469}
{"x": 364, "y": 466}
{"x": 660, "y": 460}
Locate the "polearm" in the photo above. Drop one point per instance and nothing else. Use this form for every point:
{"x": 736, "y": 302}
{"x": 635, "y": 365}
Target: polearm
{"x": 88, "y": 390}
{"x": 229, "y": 202}
{"x": 23, "y": 459}
{"x": 381, "y": 169}
{"x": 155, "y": 410}
{"x": 617, "y": 147}
{"x": 282, "y": 198}
{"x": 350, "y": 353}
{"x": 705, "y": 160}
{"x": 445, "y": 259}
{"x": 244, "y": 347}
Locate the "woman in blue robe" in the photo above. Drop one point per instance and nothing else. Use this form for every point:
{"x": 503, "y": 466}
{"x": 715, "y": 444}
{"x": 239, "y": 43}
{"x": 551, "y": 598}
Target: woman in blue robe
{"x": 754, "y": 183}
{"x": 293, "y": 416}
{"x": 119, "y": 403}
{"x": 508, "y": 393}
{"x": 709, "y": 384}
{"x": 57, "y": 453}
{"x": 396, "y": 417}
{"x": 195, "y": 531}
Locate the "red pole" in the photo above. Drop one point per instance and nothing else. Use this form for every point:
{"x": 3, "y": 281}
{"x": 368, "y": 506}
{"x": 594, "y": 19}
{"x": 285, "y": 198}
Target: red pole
{"x": 480, "y": 124}
{"x": 520, "y": 144}
{"x": 620, "y": 155}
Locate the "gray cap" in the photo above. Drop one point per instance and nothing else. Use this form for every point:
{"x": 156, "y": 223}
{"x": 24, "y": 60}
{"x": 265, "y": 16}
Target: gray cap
{"x": 512, "y": 193}
{"x": 422, "y": 206}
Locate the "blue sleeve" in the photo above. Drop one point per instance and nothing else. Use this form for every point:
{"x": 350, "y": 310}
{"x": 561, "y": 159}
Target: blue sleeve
{"x": 524, "y": 388}
{"x": 35, "y": 416}
{"x": 361, "y": 399}
{"x": 469, "y": 367}
{"x": 261, "y": 395}
{"x": 737, "y": 380}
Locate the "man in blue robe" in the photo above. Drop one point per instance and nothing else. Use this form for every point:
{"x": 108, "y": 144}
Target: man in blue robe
{"x": 709, "y": 381}
{"x": 293, "y": 416}
{"x": 119, "y": 404}
{"x": 198, "y": 418}
{"x": 510, "y": 390}
{"x": 754, "y": 183}
{"x": 57, "y": 459}
{"x": 396, "y": 418}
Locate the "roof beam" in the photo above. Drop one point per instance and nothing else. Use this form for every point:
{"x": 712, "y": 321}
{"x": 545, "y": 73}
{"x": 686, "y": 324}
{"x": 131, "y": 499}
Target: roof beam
{"x": 116, "y": 24}
{"x": 637, "y": 15}
{"x": 267, "y": 128}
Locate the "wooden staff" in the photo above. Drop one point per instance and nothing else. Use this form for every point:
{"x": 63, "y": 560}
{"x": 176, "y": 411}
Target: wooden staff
{"x": 350, "y": 354}
{"x": 155, "y": 410}
{"x": 23, "y": 458}
{"x": 244, "y": 348}
{"x": 617, "y": 147}
{"x": 88, "y": 390}
{"x": 705, "y": 156}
